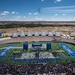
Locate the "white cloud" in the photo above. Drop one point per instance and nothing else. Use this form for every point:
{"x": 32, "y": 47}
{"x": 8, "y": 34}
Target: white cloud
{"x": 36, "y": 13}
{"x": 36, "y": 18}
{"x": 60, "y": 9}
{"x": 24, "y": 16}
{"x": 55, "y": 14}
{"x": 5, "y": 13}
{"x": 16, "y": 18}
{"x": 42, "y": 0}
{"x": 30, "y": 13}
{"x": 58, "y": 0}
{"x": 14, "y": 12}
{"x": 63, "y": 14}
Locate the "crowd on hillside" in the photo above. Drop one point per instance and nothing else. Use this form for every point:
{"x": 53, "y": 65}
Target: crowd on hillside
{"x": 38, "y": 69}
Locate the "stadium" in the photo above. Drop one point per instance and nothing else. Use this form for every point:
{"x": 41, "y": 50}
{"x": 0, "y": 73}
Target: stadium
{"x": 37, "y": 37}
{"x": 37, "y": 48}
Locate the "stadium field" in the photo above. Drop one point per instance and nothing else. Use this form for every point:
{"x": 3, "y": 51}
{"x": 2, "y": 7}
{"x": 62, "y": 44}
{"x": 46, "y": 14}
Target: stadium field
{"x": 56, "y": 50}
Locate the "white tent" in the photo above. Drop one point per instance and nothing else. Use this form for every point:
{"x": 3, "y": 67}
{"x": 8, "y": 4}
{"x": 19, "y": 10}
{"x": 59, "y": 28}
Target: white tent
{"x": 68, "y": 36}
{"x": 26, "y": 33}
{"x": 43, "y": 33}
{"x": 22, "y": 34}
{"x": 36, "y": 33}
{"x": 54, "y": 33}
{"x": 39, "y": 33}
{"x": 29, "y": 34}
{"x": 15, "y": 35}
{"x": 12, "y": 34}
{"x": 18, "y": 33}
{"x": 50, "y": 34}
{"x": 32, "y": 33}
{"x": 58, "y": 34}
{"x": 46, "y": 33}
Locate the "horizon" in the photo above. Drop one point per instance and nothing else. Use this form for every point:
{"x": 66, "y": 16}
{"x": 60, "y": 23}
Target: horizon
{"x": 37, "y": 10}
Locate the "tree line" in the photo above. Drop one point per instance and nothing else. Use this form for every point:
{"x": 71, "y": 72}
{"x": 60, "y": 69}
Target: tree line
{"x": 30, "y": 25}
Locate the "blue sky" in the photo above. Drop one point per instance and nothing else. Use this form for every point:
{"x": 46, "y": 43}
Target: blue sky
{"x": 37, "y": 10}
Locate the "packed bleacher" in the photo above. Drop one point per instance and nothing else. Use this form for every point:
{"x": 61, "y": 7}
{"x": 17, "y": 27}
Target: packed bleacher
{"x": 38, "y": 69}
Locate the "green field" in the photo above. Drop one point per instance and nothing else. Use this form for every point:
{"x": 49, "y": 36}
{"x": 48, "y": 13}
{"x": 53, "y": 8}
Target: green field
{"x": 56, "y": 50}
{"x": 4, "y": 45}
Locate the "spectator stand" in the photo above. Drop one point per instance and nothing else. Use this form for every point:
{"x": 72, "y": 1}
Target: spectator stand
{"x": 68, "y": 50}
{"x": 5, "y": 50}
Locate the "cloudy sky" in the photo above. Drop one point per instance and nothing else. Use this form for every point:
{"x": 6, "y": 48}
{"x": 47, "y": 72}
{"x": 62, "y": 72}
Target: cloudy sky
{"x": 37, "y": 10}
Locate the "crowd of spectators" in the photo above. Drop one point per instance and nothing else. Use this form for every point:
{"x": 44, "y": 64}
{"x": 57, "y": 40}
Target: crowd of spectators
{"x": 38, "y": 69}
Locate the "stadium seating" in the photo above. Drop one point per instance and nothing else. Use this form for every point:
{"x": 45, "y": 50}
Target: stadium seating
{"x": 5, "y": 50}
{"x": 67, "y": 49}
